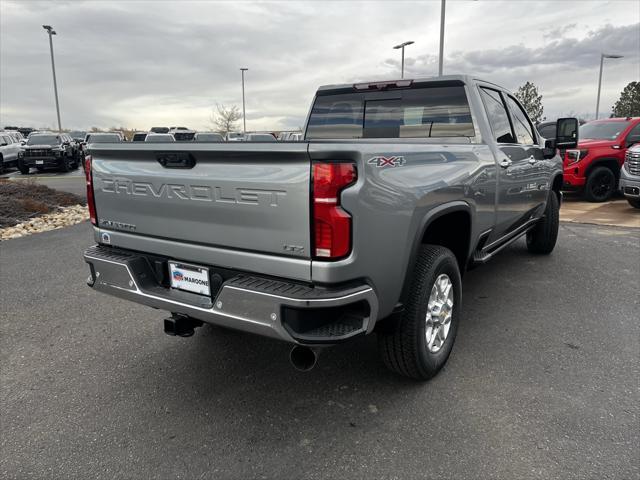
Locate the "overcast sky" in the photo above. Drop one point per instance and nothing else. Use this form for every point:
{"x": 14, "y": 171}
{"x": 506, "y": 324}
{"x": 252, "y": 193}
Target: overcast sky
{"x": 145, "y": 63}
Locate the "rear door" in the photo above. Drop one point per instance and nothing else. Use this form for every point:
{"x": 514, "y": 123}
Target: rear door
{"x": 513, "y": 165}
{"x": 250, "y": 197}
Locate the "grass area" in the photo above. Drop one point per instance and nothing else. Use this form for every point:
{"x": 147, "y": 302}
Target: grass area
{"x": 20, "y": 201}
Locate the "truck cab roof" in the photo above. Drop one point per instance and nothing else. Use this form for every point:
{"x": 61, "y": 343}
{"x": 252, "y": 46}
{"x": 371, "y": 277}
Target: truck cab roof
{"x": 402, "y": 83}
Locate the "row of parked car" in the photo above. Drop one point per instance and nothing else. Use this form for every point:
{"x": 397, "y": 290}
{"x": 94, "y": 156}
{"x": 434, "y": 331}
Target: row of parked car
{"x": 64, "y": 151}
{"x": 603, "y": 162}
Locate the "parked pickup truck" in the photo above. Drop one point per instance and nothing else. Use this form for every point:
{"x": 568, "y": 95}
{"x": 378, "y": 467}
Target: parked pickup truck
{"x": 365, "y": 226}
{"x": 46, "y": 150}
{"x": 594, "y": 168}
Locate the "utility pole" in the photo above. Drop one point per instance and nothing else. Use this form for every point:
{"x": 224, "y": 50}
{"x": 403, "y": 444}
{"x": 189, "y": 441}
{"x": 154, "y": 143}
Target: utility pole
{"x": 244, "y": 118}
{"x": 402, "y": 45}
{"x": 52, "y": 32}
{"x": 602, "y": 57}
{"x": 441, "y": 57}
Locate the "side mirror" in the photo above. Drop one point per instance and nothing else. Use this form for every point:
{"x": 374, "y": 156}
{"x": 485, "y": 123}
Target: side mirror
{"x": 3, "y": 144}
{"x": 567, "y": 133}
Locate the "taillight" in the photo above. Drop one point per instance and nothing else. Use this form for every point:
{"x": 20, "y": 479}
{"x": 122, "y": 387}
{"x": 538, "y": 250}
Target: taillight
{"x": 331, "y": 224}
{"x": 91, "y": 203}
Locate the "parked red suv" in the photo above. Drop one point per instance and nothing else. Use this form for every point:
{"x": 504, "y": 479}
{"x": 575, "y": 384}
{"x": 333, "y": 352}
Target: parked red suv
{"x": 595, "y": 166}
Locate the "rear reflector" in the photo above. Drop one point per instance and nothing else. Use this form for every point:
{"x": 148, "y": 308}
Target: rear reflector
{"x": 91, "y": 203}
{"x": 331, "y": 224}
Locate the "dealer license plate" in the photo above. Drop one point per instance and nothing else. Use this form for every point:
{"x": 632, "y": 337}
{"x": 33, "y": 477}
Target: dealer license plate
{"x": 39, "y": 162}
{"x": 191, "y": 278}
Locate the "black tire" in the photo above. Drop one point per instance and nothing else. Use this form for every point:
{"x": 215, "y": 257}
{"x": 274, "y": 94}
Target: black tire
{"x": 634, "y": 202}
{"x": 542, "y": 238}
{"x": 1, "y": 165}
{"x": 601, "y": 185}
{"x": 65, "y": 164}
{"x": 24, "y": 170}
{"x": 404, "y": 349}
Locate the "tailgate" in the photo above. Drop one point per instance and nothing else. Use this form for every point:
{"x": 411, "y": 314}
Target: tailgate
{"x": 252, "y": 197}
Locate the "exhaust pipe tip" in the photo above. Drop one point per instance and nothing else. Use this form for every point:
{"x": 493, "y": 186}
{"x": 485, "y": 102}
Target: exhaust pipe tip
{"x": 303, "y": 358}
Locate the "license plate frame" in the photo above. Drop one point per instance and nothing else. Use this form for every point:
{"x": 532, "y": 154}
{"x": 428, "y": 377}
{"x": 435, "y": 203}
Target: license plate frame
{"x": 189, "y": 278}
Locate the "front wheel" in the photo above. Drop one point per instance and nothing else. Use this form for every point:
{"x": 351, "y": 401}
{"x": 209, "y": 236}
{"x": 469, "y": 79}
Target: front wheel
{"x": 634, "y": 202}
{"x": 419, "y": 345}
{"x": 65, "y": 164}
{"x": 600, "y": 185}
{"x": 24, "y": 169}
{"x": 542, "y": 238}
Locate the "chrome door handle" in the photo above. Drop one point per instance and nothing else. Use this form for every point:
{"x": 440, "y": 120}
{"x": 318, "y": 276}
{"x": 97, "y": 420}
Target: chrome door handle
{"x": 532, "y": 160}
{"x": 505, "y": 163}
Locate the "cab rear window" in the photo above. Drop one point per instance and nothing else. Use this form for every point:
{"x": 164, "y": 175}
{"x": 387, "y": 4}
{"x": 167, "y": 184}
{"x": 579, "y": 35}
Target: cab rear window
{"x": 412, "y": 113}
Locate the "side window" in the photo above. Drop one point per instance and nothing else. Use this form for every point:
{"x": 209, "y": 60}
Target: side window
{"x": 497, "y": 113}
{"x": 634, "y": 135}
{"x": 521, "y": 124}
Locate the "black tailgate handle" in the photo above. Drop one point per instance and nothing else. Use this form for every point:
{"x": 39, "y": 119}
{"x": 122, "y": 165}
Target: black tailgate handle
{"x": 176, "y": 159}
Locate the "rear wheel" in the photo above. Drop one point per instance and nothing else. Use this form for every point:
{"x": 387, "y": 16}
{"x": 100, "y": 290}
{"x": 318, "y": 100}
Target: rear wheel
{"x": 420, "y": 343}
{"x": 634, "y": 202}
{"x": 542, "y": 238}
{"x": 600, "y": 185}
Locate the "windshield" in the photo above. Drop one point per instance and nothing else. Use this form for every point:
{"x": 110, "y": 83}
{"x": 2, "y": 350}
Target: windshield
{"x": 408, "y": 113}
{"x": 104, "y": 138}
{"x": 602, "y": 130}
{"x": 43, "y": 140}
{"x": 160, "y": 138}
{"x": 261, "y": 138}
{"x": 209, "y": 137}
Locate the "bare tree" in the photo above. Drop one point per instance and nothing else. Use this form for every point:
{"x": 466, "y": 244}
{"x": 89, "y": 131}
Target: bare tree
{"x": 224, "y": 119}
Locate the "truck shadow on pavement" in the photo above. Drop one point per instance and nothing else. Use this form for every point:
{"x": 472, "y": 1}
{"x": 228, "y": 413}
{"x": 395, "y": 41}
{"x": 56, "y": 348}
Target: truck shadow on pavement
{"x": 244, "y": 385}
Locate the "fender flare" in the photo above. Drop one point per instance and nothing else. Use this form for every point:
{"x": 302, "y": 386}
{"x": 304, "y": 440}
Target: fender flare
{"x": 428, "y": 219}
{"x": 597, "y": 163}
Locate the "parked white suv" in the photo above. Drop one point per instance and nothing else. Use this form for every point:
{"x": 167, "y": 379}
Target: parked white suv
{"x": 9, "y": 148}
{"x": 630, "y": 176}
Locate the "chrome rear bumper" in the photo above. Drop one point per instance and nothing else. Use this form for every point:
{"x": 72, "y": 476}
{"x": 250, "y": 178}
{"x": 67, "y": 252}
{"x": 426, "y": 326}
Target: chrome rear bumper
{"x": 273, "y": 308}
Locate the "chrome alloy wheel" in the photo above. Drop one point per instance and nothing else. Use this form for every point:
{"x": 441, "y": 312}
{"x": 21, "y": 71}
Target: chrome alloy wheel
{"x": 439, "y": 310}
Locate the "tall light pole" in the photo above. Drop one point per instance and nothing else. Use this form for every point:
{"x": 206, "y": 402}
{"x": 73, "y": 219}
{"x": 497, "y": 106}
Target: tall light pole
{"x": 441, "y": 57}
{"x": 602, "y": 57}
{"x": 402, "y": 45}
{"x": 244, "y": 118}
{"x": 52, "y": 32}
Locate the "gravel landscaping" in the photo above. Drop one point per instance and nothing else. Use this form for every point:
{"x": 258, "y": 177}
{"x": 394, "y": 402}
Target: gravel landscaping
{"x": 26, "y": 208}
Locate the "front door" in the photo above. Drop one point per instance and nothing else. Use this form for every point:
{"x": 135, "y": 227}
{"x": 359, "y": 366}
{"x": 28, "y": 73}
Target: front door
{"x": 536, "y": 172}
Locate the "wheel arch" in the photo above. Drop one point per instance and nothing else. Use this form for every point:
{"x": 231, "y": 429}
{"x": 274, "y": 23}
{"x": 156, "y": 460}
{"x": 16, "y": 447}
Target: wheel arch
{"x": 556, "y": 187}
{"x": 609, "y": 162}
{"x": 460, "y": 242}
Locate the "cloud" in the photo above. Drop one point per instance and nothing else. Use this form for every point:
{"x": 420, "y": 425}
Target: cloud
{"x": 140, "y": 63}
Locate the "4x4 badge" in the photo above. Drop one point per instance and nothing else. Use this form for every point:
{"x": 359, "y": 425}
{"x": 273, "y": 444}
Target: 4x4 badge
{"x": 380, "y": 161}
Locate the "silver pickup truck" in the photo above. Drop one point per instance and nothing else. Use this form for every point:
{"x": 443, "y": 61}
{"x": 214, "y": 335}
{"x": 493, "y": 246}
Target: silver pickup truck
{"x": 367, "y": 225}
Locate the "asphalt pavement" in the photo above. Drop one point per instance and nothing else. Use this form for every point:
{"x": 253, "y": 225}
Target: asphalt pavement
{"x": 542, "y": 381}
